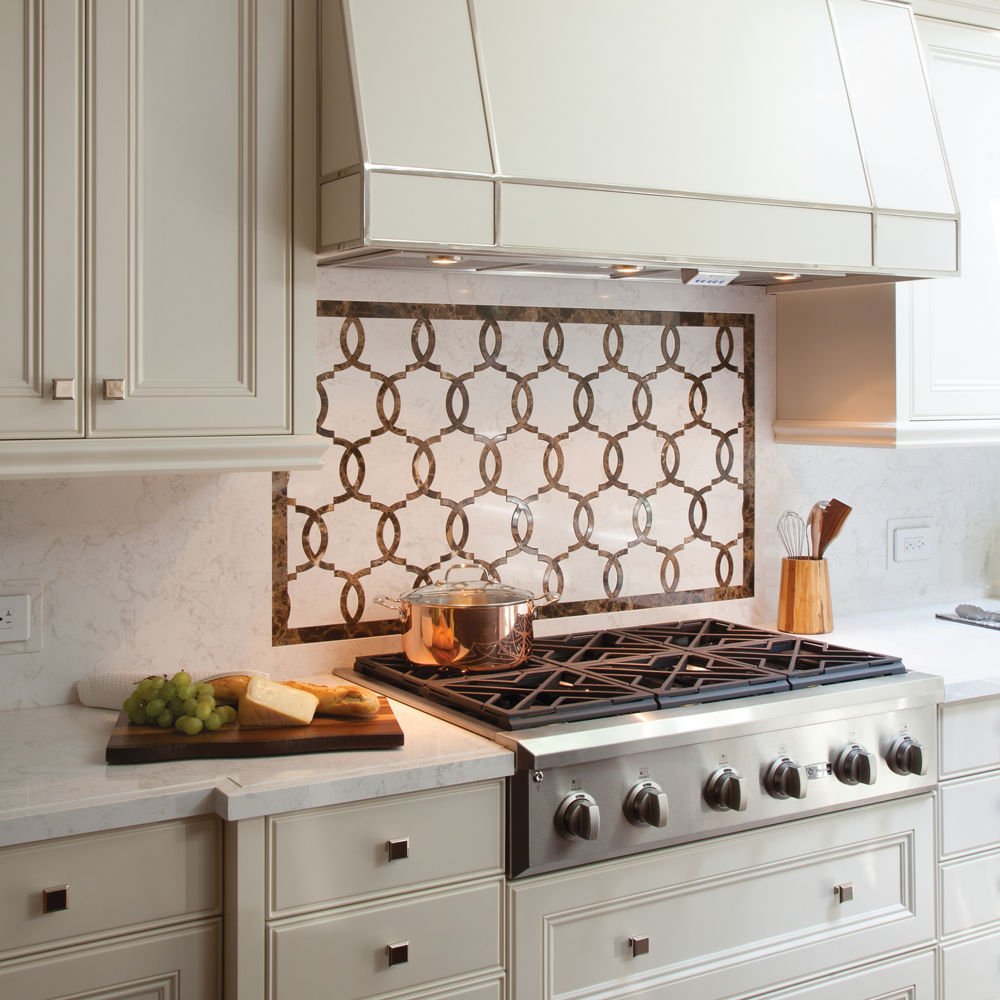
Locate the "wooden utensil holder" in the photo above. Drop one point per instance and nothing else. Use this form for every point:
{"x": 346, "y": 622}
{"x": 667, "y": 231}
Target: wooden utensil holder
{"x": 804, "y": 597}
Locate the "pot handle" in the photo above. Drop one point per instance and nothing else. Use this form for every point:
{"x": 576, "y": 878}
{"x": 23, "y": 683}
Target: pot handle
{"x": 543, "y": 599}
{"x": 487, "y": 573}
{"x": 392, "y": 603}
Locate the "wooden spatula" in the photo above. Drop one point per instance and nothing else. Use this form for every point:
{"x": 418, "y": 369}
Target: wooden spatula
{"x": 833, "y": 520}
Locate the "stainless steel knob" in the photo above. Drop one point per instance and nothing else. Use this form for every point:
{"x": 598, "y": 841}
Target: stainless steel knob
{"x": 725, "y": 790}
{"x": 114, "y": 388}
{"x": 399, "y": 953}
{"x": 646, "y": 804}
{"x": 906, "y": 756}
{"x": 855, "y": 765}
{"x": 578, "y": 817}
{"x": 785, "y": 779}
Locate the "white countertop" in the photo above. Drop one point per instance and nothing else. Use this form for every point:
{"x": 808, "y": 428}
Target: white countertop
{"x": 55, "y": 783}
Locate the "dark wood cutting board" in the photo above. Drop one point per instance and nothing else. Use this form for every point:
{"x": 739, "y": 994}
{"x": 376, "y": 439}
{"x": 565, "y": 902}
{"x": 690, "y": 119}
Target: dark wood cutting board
{"x": 148, "y": 744}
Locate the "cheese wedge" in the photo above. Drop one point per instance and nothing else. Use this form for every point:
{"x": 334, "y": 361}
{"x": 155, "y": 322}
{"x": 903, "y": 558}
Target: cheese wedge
{"x": 267, "y": 703}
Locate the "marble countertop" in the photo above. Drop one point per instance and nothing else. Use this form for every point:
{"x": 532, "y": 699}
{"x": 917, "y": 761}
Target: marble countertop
{"x": 55, "y": 782}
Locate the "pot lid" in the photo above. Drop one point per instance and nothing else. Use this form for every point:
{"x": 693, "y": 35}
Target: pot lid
{"x": 466, "y": 593}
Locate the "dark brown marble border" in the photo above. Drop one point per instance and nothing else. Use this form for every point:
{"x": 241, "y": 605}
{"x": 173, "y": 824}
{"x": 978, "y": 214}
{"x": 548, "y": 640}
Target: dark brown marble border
{"x": 282, "y": 634}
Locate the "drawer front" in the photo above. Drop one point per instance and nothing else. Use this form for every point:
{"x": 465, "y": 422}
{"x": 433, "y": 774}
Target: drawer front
{"x": 970, "y": 815}
{"x": 118, "y": 879}
{"x": 970, "y": 893}
{"x": 970, "y": 736}
{"x": 730, "y": 916}
{"x": 183, "y": 962}
{"x": 448, "y": 933}
{"x": 971, "y": 970}
{"x": 323, "y": 856}
{"x": 907, "y": 979}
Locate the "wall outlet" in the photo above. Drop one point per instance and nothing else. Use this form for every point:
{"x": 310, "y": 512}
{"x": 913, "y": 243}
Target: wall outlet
{"x": 20, "y": 616}
{"x": 908, "y": 539}
{"x": 15, "y": 617}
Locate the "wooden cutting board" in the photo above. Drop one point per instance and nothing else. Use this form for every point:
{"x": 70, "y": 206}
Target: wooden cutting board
{"x": 148, "y": 744}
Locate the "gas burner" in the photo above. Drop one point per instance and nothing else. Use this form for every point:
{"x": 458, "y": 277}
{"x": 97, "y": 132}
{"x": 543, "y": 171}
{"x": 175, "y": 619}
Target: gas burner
{"x": 595, "y": 675}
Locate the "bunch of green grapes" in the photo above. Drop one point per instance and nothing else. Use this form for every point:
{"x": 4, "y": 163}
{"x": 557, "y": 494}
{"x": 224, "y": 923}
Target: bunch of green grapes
{"x": 178, "y": 702}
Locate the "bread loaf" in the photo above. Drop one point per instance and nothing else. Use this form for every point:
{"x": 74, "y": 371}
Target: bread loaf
{"x": 343, "y": 699}
{"x": 230, "y": 688}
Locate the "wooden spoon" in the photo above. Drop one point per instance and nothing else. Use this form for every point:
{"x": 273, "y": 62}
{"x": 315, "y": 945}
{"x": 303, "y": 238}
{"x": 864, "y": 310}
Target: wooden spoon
{"x": 833, "y": 520}
{"x": 815, "y": 529}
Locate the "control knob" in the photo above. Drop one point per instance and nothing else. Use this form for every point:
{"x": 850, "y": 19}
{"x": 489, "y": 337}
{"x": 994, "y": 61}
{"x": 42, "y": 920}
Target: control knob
{"x": 578, "y": 817}
{"x": 855, "y": 765}
{"x": 725, "y": 790}
{"x": 646, "y": 804}
{"x": 906, "y": 756}
{"x": 785, "y": 779}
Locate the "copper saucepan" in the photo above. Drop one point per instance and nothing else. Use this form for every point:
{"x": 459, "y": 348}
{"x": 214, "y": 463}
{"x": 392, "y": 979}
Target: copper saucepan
{"x": 478, "y": 625}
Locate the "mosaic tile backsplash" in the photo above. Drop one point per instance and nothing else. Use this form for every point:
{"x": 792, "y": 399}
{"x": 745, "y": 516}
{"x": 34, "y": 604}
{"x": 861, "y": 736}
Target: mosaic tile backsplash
{"x": 603, "y": 457}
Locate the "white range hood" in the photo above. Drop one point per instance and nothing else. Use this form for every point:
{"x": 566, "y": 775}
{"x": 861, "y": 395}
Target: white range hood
{"x": 567, "y": 136}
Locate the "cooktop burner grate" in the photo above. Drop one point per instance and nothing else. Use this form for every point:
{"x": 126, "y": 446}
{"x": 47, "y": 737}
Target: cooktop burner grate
{"x": 594, "y": 675}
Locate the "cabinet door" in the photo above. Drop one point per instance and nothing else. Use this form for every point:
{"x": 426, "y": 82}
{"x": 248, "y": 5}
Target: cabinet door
{"x": 190, "y": 202}
{"x": 954, "y": 326}
{"x": 41, "y": 228}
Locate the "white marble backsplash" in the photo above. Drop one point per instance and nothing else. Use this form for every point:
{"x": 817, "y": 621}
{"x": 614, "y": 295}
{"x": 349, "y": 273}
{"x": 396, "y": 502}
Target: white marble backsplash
{"x": 159, "y": 572}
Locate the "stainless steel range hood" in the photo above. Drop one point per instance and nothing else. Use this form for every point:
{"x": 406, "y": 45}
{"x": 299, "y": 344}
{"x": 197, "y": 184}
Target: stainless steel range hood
{"x": 744, "y": 138}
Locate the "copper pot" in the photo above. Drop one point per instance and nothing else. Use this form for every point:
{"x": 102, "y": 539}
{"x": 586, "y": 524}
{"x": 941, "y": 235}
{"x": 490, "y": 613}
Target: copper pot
{"x": 478, "y": 625}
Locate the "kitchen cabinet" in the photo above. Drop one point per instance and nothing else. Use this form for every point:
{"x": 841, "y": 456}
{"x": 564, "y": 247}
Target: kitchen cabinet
{"x": 969, "y": 850}
{"x": 159, "y": 247}
{"x": 740, "y": 916}
{"x": 141, "y": 914}
{"x": 385, "y": 897}
{"x": 913, "y": 363}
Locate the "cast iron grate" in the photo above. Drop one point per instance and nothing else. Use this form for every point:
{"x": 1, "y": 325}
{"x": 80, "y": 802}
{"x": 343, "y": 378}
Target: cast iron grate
{"x": 594, "y": 675}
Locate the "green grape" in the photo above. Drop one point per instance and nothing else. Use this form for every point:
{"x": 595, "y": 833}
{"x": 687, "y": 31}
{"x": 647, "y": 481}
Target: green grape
{"x": 145, "y": 689}
{"x": 185, "y": 691}
{"x": 154, "y": 706}
{"x": 226, "y": 713}
{"x": 206, "y": 691}
{"x": 176, "y": 706}
{"x": 182, "y": 678}
{"x": 165, "y": 719}
{"x": 213, "y": 722}
{"x": 190, "y": 704}
{"x": 138, "y": 716}
{"x": 203, "y": 709}
{"x": 131, "y": 703}
{"x": 157, "y": 682}
{"x": 168, "y": 691}
{"x": 191, "y": 726}
{"x": 178, "y": 722}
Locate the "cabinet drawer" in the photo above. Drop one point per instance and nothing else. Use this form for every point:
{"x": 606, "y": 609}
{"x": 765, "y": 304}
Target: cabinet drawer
{"x": 970, "y": 893}
{"x": 970, "y": 736}
{"x": 321, "y": 856}
{"x": 971, "y": 970}
{"x": 448, "y": 933}
{"x": 970, "y": 814}
{"x": 122, "y": 878}
{"x": 724, "y": 917}
{"x": 181, "y": 962}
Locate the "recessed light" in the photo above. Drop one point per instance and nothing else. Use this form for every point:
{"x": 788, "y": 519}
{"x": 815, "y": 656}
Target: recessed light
{"x": 784, "y": 277}
{"x": 627, "y": 268}
{"x": 443, "y": 258}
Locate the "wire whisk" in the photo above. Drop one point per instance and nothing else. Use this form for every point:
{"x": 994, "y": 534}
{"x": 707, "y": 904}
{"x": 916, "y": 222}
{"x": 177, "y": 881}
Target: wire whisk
{"x": 792, "y": 532}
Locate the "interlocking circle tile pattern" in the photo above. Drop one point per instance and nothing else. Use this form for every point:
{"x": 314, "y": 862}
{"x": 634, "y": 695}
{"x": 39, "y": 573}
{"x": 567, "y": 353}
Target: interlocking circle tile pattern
{"x": 602, "y": 456}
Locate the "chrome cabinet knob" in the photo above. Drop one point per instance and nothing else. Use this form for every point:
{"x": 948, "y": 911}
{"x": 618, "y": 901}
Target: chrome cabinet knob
{"x": 114, "y": 388}
{"x": 397, "y": 850}
{"x": 855, "y": 765}
{"x": 646, "y": 804}
{"x": 906, "y": 756}
{"x": 64, "y": 388}
{"x": 785, "y": 779}
{"x": 398, "y": 954}
{"x": 638, "y": 946}
{"x": 578, "y": 817}
{"x": 725, "y": 790}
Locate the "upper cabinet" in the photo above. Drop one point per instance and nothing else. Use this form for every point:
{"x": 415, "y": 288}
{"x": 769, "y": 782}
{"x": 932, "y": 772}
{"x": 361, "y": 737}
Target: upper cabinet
{"x": 768, "y": 136}
{"x": 916, "y": 362}
{"x": 159, "y": 246}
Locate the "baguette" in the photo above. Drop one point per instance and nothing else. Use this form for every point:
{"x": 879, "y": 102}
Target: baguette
{"x": 230, "y": 688}
{"x": 344, "y": 699}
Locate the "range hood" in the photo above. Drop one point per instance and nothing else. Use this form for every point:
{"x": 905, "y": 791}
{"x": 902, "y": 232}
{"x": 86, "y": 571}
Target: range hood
{"x": 717, "y": 141}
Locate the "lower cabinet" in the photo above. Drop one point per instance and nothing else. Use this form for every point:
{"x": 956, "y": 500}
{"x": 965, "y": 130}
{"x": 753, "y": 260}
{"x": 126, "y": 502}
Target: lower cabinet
{"x": 397, "y": 897}
{"x": 778, "y": 909}
{"x": 130, "y": 913}
{"x": 969, "y": 850}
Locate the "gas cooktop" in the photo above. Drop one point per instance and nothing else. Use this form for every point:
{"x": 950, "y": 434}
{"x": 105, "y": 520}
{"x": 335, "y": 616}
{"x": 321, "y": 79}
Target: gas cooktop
{"x": 594, "y": 675}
